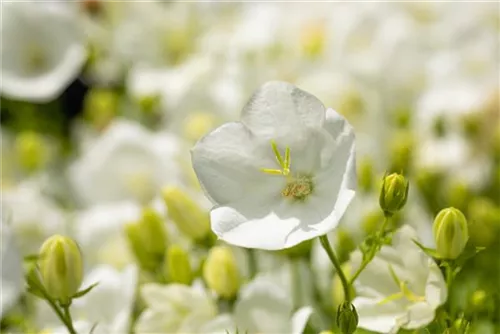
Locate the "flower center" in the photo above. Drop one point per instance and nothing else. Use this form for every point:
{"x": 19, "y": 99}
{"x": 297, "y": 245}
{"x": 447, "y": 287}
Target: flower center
{"x": 298, "y": 187}
{"x": 404, "y": 292}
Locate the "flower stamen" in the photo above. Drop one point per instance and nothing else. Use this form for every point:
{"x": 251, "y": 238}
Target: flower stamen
{"x": 404, "y": 292}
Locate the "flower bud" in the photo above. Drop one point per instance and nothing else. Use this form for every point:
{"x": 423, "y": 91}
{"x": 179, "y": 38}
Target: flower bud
{"x": 31, "y": 151}
{"x": 100, "y": 107}
{"x": 154, "y": 234}
{"x": 221, "y": 272}
{"x": 61, "y": 267}
{"x": 484, "y": 222}
{"x": 394, "y": 193}
{"x": 134, "y": 238}
{"x": 197, "y": 125}
{"x": 313, "y": 40}
{"x": 347, "y": 318}
{"x": 401, "y": 151}
{"x": 450, "y": 233}
{"x": 178, "y": 265}
{"x": 365, "y": 175}
{"x": 187, "y": 215}
{"x": 148, "y": 104}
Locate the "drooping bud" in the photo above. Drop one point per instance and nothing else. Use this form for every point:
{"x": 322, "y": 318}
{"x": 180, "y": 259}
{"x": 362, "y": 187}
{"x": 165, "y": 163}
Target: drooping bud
{"x": 347, "y": 318}
{"x": 394, "y": 193}
{"x": 61, "y": 268}
{"x": 31, "y": 151}
{"x": 221, "y": 272}
{"x": 178, "y": 265}
{"x": 450, "y": 233}
{"x": 484, "y": 222}
{"x": 187, "y": 215}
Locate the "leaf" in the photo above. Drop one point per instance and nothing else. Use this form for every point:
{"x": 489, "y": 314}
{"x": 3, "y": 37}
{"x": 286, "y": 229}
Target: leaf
{"x": 31, "y": 258}
{"x": 35, "y": 291}
{"x": 468, "y": 252}
{"x": 429, "y": 251}
{"x": 85, "y": 291}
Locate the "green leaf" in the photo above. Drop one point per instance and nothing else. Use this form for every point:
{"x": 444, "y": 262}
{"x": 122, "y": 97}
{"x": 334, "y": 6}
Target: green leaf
{"x": 429, "y": 251}
{"x": 36, "y": 292}
{"x": 85, "y": 291}
{"x": 31, "y": 258}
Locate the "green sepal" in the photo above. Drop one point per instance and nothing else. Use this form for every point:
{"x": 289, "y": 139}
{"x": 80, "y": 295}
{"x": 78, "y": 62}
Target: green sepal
{"x": 83, "y": 292}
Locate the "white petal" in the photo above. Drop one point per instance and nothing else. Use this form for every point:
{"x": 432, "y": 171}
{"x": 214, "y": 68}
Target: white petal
{"x": 152, "y": 321}
{"x": 436, "y": 291}
{"x": 300, "y": 318}
{"x": 418, "y": 315}
{"x": 228, "y": 162}
{"x": 263, "y": 307}
{"x": 12, "y": 276}
{"x": 223, "y": 324}
{"x": 281, "y": 111}
{"x": 375, "y": 317}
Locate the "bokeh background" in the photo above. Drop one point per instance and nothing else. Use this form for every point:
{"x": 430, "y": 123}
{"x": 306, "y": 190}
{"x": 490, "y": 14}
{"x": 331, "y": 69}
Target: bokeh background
{"x": 101, "y": 102}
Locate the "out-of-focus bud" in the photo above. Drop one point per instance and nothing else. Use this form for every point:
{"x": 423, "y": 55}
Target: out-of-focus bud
{"x": 61, "y": 268}
{"x": 177, "y": 44}
{"x": 459, "y": 195}
{"x": 394, "y": 193}
{"x": 301, "y": 250}
{"x": 198, "y": 124}
{"x": 344, "y": 244}
{"x": 439, "y": 127}
{"x": 450, "y": 233}
{"x": 337, "y": 287}
{"x": 148, "y": 239}
{"x": 326, "y": 332}
{"x": 351, "y": 104}
{"x": 484, "y": 222}
{"x": 365, "y": 175}
{"x": 402, "y": 117}
{"x": 187, "y": 215}
{"x": 478, "y": 299}
{"x": 149, "y": 104}
{"x": 178, "y": 265}
{"x": 31, "y": 151}
{"x": 100, "y": 107}
{"x": 313, "y": 40}
{"x": 221, "y": 272}
{"x": 471, "y": 125}
{"x": 401, "y": 151}
{"x": 347, "y": 318}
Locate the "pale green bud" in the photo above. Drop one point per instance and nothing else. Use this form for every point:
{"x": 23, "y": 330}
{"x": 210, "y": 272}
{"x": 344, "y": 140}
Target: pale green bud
{"x": 187, "y": 215}
{"x": 179, "y": 266}
{"x": 221, "y": 272}
{"x": 100, "y": 107}
{"x": 149, "y": 103}
{"x": 365, "y": 175}
{"x": 484, "y": 222}
{"x": 136, "y": 244}
{"x": 61, "y": 268}
{"x": 153, "y": 233}
{"x": 197, "y": 125}
{"x": 450, "y": 233}
{"x": 313, "y": 40}
{"x": 401, "y": 151}
{"x": 347, "y": 318}
{"x": 394, "y": 193}
{"x": 31, "y": 151}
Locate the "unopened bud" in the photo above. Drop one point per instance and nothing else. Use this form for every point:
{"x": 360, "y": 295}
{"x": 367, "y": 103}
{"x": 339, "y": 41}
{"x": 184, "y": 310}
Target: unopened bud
{"x": 347, "y": 318}
{"x": 31, "y": 151}
{"x": 313, "y": 40}
{"x": 61, "y": 268}
{"x": 154, "y": 233}
{"x": 365, "y": 175}
{"x": 401, "y": 151}
{"x": 394, "y": 193}
{"x": 450, "y": 233}
{"x": 221, "y": 272}
{"x": 178, "y": 265}
{"x": 484, "y": 222}
{"x": 149, "y": 103}
{"x": 135, "y": 242}
{"x": 197, "y": 125}
{"x": 187, "y": 215}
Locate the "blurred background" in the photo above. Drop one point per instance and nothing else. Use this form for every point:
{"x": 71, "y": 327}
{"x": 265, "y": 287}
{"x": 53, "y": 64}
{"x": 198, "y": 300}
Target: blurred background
{"x": 101, "y": 102}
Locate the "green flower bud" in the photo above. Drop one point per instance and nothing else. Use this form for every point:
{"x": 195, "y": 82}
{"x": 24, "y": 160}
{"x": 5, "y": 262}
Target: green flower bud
{"x": 440, "y": 127}
{"x": 221, "y": 272}
{"x": 61, "y": 268}
{"x": 402, "y": 117}
{"x": 31, "y": 151}
{"x": 313, "y": 40}
{"x": 149, "y": 103}
{"x": 135, "y": 241}
{"x": 450, "y": 233}
{"x": 178, "y": 265}
{"x": 484, "y": 222}
{"x": 198, "y": 124}
{"x": 401, "y": 151}
{"x": 187, "y": 215}
{"x": 347, "y": 318}
{"x": 394, "y": 193}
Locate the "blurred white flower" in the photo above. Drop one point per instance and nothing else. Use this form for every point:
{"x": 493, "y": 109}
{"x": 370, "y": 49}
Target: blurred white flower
{"x": 284, "y": 174}
{"x": 108, "y": 306}
{"x": 42, "y": 50}
{"x": 126, "y": 162}
{"x": 401, "y": 288}
{"x": 175, "y": 308}
{"x": 34, "y": 216}
{"x": 264, "y": 306}
{"x": 12, "y": 274}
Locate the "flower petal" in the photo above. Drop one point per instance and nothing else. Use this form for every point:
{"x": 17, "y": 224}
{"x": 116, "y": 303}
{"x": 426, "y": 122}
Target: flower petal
{"x": 418, "y": 315}
{"x": 300, "y": 318}
{"x": 281, "y": 111}
{"x": 227, "y": 163}
{"x": 377, "y": 317}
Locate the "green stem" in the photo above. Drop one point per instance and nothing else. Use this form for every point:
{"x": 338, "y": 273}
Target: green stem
{"x": 295, "y": 280}
{"x": 67, "y": 315}
{"x": 252, "y": 263}
{"x": 335, "y": 261}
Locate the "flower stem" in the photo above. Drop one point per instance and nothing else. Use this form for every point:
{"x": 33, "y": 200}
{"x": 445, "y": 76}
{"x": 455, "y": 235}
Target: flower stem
{"x": 252, "y": 263}
{"x": 69, "y": 320}
{"x": 336, "y": 263}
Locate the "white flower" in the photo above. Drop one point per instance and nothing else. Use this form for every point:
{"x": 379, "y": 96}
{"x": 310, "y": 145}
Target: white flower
{"x": 42, "y": 50}
{"x": 264, "y": 306}
{"x": 12, "y": 274}
{"x": 175, "y": 308}
{"x": 126, "y": 162}
{"x": 284, "y": 174}
{"x": 401, "y": 288}
{"x": 35, "y": 216}
{"x": 109, "y": 304}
